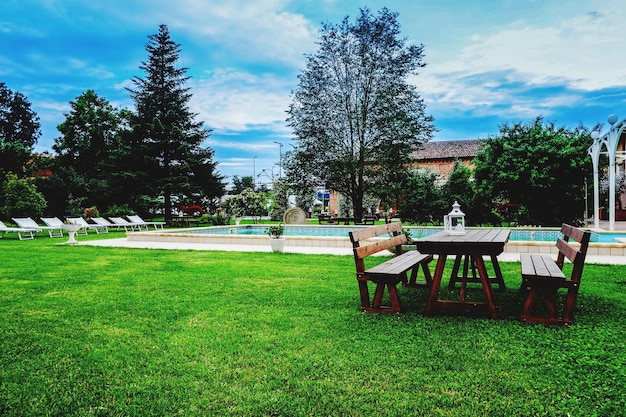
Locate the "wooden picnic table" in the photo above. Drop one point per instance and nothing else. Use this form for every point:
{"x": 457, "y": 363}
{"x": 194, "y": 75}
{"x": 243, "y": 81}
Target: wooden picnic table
{"x": 472, "y": 245}
{"x": 185, "y": 221}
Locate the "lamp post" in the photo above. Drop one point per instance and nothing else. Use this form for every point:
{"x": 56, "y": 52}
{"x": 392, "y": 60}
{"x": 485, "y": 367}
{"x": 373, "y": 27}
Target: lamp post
{"x": 610, "y": 140}
{"x": 254, "y": 173}
{"x": 280, "y": 160}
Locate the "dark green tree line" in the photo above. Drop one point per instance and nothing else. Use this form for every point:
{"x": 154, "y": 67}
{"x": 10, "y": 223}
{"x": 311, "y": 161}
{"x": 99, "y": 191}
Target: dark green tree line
{"x": 539, "y": 167}
{"x": 19, "y": 131}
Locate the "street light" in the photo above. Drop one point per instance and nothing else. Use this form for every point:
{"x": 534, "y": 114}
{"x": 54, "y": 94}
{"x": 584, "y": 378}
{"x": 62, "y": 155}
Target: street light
{"x": 610, "y": 140}
{"x": 254, "y": 173}
{"x": 280, "y": 160}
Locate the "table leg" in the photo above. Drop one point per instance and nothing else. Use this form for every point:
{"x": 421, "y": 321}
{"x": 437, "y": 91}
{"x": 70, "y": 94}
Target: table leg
{"x": 496, "y": 267}
{"x": 434, "y": 288}
{"x": 484, "y": 279}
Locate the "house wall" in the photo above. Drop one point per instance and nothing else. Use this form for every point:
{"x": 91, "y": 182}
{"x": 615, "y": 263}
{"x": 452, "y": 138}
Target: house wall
{"x": 443, "y": 168}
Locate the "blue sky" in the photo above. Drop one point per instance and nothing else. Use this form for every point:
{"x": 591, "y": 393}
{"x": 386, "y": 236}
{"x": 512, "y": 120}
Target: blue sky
{"x": 489, "y": 62}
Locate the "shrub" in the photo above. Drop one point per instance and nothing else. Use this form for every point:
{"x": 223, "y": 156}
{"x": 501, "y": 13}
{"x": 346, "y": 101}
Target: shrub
{"x": 20, "y": 198}
{"x": 117, "y": 211}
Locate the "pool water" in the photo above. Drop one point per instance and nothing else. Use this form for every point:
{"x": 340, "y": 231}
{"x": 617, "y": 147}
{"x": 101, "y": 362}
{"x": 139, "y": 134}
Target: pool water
{"x": 416, "y": 232}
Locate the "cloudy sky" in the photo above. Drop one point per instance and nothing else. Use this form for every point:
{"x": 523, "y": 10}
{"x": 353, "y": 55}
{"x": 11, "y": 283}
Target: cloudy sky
{"x": 489, "y": 62}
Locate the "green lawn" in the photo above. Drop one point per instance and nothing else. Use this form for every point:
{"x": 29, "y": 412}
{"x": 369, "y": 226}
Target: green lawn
{"x": 89, "y": 331}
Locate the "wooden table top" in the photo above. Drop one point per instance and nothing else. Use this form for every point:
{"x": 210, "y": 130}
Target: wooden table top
{"x": 474, "y": 241}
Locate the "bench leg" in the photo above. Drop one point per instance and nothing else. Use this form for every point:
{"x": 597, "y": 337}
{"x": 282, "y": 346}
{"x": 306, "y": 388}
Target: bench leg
{"x": 570, "y": 303}
{"x": 549, "y": 294}
{"x": 412, "y": 282}
{"x": 529, "y": 302}
{"x": 376, "y": 307}
{"x": 365, "y": 295}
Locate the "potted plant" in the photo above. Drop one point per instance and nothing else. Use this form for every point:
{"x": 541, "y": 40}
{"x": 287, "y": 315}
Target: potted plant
{"x": 71, "y": 228}
{"x": 277, "y": 241}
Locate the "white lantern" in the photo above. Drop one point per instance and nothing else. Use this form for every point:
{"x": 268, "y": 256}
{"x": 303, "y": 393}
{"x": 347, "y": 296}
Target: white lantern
{"x": 454, "y": 222}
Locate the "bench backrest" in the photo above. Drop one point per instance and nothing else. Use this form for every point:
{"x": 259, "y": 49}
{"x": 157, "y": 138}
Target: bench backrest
{"x": 397, "y": 239}
{"x": 576, "y": 255}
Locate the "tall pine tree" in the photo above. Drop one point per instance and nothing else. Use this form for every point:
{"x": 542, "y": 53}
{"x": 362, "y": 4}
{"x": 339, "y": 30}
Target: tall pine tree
{"x": 173, "y": 159}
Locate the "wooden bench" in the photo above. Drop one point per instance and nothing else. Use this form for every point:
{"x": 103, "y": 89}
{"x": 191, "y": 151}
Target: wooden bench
{"x": 366, "y": 220}
{"x": 389, "y": 273}
{"x": 543, "y": 276}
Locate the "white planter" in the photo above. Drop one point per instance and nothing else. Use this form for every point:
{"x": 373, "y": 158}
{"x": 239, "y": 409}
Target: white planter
{"x": 277, "y": 244}
{"x": 71, "y": 230}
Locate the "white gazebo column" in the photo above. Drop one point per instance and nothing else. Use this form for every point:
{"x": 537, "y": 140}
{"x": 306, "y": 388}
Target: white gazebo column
{"x": 594, "y": 152}
{"x": 610, "y": 140}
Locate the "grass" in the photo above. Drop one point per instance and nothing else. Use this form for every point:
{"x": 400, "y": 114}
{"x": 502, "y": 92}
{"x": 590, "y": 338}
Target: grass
{"x": 89, "y": 331}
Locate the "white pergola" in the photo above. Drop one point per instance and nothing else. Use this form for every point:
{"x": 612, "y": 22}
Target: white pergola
{"x": 609, "y": 140}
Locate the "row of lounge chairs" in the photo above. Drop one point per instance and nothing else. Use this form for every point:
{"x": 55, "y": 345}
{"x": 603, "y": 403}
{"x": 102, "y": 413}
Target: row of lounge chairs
{"x": 27, "y": 227}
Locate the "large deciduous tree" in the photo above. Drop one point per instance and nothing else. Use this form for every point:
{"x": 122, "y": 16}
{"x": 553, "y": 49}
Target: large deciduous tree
{"x": 171, "y": 138}
{"x": 539, "y": 167}
{"x": 19, "y": 131}
{"x": 356, "y": 118}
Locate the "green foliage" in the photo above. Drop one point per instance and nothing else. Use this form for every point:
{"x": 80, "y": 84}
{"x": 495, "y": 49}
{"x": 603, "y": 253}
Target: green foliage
{"x": 279, "y": 200}
{"x": 276, "y": 230}
{"x": 93, "y": 163}
{"x": 118, "y": 211}
{"x": 356, "y": 128}
{"x": 20, "y": 198}
{"x": 538, "y": 166}
{"x": 19, "y": 131}
{"x": 75, "y": 206}
{"x": 240, "y": 184}
{"x": 247, "y": 203}
{"x": 217, "y": 219}
{"x": 422, "y": 200}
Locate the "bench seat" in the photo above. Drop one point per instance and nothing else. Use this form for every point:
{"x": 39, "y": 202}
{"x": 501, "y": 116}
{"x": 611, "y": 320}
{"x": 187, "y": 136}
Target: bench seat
{"x": 398, "y": 265}
{"x": 542, "y": 276}
{"x": 389, "y": 273}
{"x": 536, "y": 266}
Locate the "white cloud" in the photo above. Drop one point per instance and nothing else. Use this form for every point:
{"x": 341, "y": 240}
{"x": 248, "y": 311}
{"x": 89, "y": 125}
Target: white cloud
{"x": 255, "y": 30}
{"x": 576, "y": 51}
{"x": 233, "y": 100}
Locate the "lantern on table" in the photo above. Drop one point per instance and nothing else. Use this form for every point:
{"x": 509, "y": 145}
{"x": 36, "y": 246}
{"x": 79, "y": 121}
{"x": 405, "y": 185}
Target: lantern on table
{"x": 454, "y": 222}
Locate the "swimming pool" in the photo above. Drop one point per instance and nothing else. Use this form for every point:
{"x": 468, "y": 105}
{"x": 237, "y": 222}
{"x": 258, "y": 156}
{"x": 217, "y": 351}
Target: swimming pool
{"x": 530, "y": 235}
{"x": 328, "y": 237}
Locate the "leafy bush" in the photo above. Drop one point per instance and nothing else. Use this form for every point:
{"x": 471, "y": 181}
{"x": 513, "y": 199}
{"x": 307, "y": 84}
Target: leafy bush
{"x": 218, "y": 219}
{"x": 91, "y": 212}
{"x": 20, "y": 198}
{"x": 117, "y": 211}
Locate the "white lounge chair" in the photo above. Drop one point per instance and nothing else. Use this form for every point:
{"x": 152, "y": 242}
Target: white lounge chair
{"x": 56, "y": 222}
{"x": 139, "y": 220}
{"x": 28, "y": 223}
{"x": 121, "y": 222}
{"x": 22, "y": 233}
{"x": 101, "y": 221}
{"x": 89, "y": 226}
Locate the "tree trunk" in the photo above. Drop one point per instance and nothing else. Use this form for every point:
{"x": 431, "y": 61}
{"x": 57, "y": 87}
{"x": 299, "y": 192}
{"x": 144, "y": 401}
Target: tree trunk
{"x": 168, "y": 206}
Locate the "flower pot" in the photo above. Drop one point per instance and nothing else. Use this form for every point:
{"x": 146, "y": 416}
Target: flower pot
{"x": 71, "y": 230}
{"x": 277, "y": 244}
